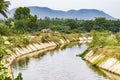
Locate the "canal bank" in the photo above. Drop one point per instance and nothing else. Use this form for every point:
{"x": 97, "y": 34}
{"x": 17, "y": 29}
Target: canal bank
{"x": 28, "y": 51}
{"x": 103, "y": 58}
{"x": 58, "y": 64}
{"x": 36, "y": 48}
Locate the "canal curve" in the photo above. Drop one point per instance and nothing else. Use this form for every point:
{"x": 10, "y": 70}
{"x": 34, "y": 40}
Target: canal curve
{"x": 59, "y": 64}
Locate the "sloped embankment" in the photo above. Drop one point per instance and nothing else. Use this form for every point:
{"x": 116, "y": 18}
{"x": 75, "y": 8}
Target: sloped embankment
{"x": 36, "y": 48}
{"x": 106, "y": 58}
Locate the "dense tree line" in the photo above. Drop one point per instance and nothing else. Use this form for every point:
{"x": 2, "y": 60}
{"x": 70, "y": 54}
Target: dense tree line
{"x": 24, "y": 22}
{"x": 74, "y": 25}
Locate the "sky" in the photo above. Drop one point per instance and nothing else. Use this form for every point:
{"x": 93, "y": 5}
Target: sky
{"x": 111, "y": 7}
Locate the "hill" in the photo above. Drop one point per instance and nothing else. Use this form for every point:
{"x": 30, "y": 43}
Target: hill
{"x": 85, "y": 14}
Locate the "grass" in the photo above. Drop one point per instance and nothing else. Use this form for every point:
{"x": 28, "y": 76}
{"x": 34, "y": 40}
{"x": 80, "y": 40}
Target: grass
{"x": 106, "y": 44}
{"x": 7, "y": 43}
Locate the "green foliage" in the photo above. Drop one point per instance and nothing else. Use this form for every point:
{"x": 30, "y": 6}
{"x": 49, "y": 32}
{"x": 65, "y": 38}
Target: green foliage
{"x": 20, "y": 40}
{"x": 4, "y": 73}
{"x": 60, "y": 28}
{"x": 22, "y": 13}
{"x": 6, "y": 30}
{"x": 72, "y": 23}
{"x": 87, "y": 25}
{"x": 16, "y": 30}
{"x": 24, "y": 21}
{"x": 107, "y": 41}
{"x": 118, "y": 38}
{"x": 103, "y": 38}
{"x": 4, "y": 76}
{"x": 4, "y": 47}
{"x": 44, "y": 38}
{"x": 84, "y": 53}
{"x": 50, "y": 37}
{"x": 78, "y": 26}
{"x": 4, "y": 7}
{"x": 19, "y": 77}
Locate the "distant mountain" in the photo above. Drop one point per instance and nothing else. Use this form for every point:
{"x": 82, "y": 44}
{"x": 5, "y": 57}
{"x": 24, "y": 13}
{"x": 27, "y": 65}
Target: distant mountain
{"x": 85, "y": 14}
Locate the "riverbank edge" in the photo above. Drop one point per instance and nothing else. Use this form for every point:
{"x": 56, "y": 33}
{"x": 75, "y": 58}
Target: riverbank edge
{"x": 29, "y": 50}
{"x": 102, "y": 61}
{"x": 36, "y": 48}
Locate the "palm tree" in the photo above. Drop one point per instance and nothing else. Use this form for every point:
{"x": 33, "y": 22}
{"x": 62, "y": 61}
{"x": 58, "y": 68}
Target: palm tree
{"x": 4, "y": 7}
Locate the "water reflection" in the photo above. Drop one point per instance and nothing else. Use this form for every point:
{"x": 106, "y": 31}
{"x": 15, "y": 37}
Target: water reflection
{"x": 111, "y": 76}
{"x": 21, "y": 64}
{"x": 96, "y": 69}
{"x": 38, "y": 56}
{"x": 104, "y": 73}
{"x": 59, "y": 64}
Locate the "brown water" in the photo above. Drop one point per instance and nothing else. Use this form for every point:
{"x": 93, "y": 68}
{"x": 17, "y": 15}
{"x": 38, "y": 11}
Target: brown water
{"x": 60, "y": 64}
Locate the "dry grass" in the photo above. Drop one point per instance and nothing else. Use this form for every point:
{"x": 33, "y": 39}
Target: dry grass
{"x": 109, "y": 51}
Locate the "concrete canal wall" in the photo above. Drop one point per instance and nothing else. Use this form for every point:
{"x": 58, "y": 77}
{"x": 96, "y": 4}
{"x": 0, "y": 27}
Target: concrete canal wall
{"x": 110, "y": 64}
{"x": 36, "y": 48}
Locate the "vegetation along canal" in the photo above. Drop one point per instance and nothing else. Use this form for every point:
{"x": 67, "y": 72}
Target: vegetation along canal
{"x": 59, "y": 64}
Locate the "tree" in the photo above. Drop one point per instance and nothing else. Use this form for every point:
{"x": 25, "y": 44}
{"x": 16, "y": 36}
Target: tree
{"x": 87, "y": 25}
{"x": 100, "y": 24}
{"x": 72, "y": 23}
{"x": 24, "y": 21}
{"x": 4, "y": 7}
{"x": 22, "y": 13}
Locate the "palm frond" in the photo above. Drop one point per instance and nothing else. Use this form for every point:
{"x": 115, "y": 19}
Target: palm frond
{"x": 4, "y": 13}
{"x": 4, "y": 8}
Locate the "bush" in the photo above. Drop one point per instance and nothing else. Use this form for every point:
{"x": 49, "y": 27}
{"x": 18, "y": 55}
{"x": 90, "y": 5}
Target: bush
{"x": 20, "y": 40}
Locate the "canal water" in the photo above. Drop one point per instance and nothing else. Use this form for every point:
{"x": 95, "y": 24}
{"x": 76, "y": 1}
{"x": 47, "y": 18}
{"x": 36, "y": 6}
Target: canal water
{"x": 59, "y": 64}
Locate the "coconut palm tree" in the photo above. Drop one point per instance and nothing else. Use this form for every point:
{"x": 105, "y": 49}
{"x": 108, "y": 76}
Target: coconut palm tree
{"x": 4, "y": 7}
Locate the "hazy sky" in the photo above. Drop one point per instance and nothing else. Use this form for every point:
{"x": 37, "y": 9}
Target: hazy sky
{"x": 111, "y": 7}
